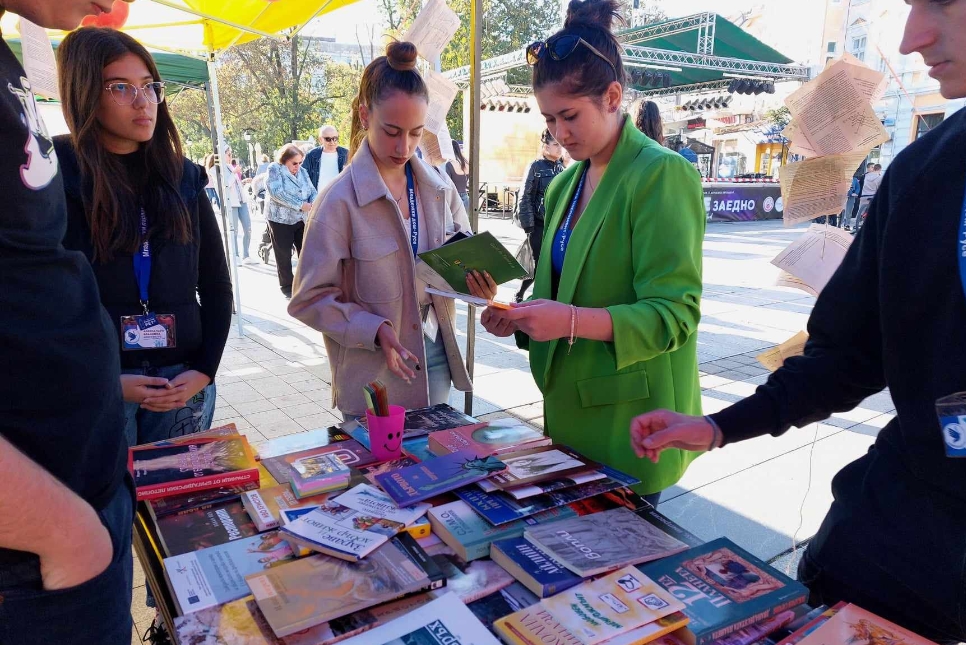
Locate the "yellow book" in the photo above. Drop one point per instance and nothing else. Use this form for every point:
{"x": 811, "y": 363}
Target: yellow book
{"x": 536, "y": 626}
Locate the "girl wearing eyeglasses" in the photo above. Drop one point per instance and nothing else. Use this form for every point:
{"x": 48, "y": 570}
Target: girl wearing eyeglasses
{"x": 612, "y": 326}
{"x": 290, "y": 195}
{"x": 359, "y": 278}
{"x": 138, "y": 210}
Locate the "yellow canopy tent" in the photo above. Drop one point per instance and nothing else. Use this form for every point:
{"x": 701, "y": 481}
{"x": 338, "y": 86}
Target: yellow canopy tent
{"x": 206, "y": 28}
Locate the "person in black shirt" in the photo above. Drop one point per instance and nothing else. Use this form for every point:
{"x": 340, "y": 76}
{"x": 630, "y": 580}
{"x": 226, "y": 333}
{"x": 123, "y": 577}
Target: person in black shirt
{"x": 66, "y": 502}
{"x": 539, "y": 175}
{"x": 893, "y": 315}
{"x": 138, "y": 210}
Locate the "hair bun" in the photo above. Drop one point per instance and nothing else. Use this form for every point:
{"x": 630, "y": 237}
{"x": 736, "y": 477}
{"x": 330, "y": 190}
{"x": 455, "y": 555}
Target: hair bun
{"x": 401, "y": 56}
{"x": 593, "y": 13}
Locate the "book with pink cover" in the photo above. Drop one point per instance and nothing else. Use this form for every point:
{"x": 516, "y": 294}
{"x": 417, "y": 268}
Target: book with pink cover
{"x": 497, "y": 437}
{"x": 853, "y": 625}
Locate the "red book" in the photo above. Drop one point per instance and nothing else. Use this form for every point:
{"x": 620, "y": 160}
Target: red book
{"x": 497, "y": 437}
{"x": 191, "y": 465}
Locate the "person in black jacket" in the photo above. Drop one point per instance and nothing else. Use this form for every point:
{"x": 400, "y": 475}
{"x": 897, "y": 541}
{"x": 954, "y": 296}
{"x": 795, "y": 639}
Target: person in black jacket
{"x": 893, "y": 315}
{"x": 138, "y": 210}
{"x": 539, "y": 175}
{"x": 326, "y": 161}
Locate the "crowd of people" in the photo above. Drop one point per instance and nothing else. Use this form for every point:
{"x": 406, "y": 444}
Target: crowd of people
{"x": 116, "y": 304}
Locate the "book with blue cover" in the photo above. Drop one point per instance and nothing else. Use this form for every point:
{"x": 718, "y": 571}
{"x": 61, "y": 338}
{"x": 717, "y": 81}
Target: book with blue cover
{"x": 499, "y": 507}
{"x": 470, "y": 536}
{"x": 216, "y": 575}
{"x": 533, "y": 567}
{"x": 724, "y": 588}
{"x": 433, "y": 477}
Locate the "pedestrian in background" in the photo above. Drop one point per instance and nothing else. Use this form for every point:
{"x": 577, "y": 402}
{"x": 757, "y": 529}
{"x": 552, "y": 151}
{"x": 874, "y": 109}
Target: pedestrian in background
{"x": 237, "y": 202}
{"x": 327, "y": 160}
{"x": 289, "y": 196}
{"x": 649, "y": 121}
{"x": 459, "y": 173}
{"x": 538, "y": 177}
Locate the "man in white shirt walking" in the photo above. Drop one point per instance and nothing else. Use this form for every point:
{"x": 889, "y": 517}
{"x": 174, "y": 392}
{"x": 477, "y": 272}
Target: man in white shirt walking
{"x": 325, "y": 162}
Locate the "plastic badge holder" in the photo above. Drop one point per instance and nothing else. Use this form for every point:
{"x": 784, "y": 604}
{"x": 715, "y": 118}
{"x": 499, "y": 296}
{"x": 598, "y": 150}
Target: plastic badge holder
{"x": 386, "y": 433}
{"x": 952, "y": 419}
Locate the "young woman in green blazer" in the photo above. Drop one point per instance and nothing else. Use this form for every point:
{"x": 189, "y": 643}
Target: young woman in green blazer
{"x": 612, "y": 329}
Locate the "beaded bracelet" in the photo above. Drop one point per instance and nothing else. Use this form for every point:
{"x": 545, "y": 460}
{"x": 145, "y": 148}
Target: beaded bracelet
{"x": 573, "y": 329}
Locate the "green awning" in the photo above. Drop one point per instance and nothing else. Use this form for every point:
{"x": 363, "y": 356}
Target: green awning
{"x": 173, "y": 67}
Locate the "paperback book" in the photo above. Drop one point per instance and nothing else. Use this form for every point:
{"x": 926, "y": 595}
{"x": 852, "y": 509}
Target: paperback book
{"x": 421, "y": 422}
{"x": 536, "y": 570}
{"x": 239, "y": 623}
{"x": 470, "y": 536}
{"x": 292, "y": 443}
{"x": 307, "y": 592}
{"x": 469, "y": 581}
{"x": 444, "y": 621}
{"x": 500, "y": 508}
{"x": 436, "y": 476}
{"x": 351, "y": 453}
{"x": 542, "y": 488}
{"x": 537, "y": 626}
{"x": 216, "y": 575}
{"x": 318, "y": 474}
{"x": 370, "y": 472}
{"x": 725, "y": 588}
{"x": 601, "y": 609}
{"x": 799, "y": 629}
{"x": 494, "y": 438}
{"x": 353, "y": 525}
{"x": 603, "y": 542}
{"x": 180, "y": 504}
{"x": 481, "y": 252}
{"x": 265, "y": 504}
{"x": 852, "y": 624}
{"x": 191, "y": 465}
{"x": 204, "y": 528}
{"x": 527, "y": 467}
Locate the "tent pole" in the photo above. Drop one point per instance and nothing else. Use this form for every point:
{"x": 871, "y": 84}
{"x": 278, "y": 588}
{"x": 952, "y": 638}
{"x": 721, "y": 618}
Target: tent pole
{"x": 476, "y": 60}
{"x": 228, "y": 222}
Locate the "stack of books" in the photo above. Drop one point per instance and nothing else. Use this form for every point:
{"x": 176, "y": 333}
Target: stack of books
{"x": 501, "y": 535}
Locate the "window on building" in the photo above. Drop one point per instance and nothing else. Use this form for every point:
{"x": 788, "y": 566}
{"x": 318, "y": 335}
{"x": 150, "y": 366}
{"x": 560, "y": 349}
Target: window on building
{"x": 926, "y": 122}
{"x": 831, "y": 46}
{"x": 858, "y": 47}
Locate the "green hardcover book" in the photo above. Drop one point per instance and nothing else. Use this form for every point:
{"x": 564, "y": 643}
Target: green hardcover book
{"x": 481, "y": 253}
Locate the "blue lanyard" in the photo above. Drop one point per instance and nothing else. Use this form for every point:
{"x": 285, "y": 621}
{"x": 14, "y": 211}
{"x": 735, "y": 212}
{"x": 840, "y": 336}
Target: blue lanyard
{"x": 961, "y": 246}
{"x": 413, "y": 220}
{"x": 565, "y": 236}
{"x": 142, "y": 262}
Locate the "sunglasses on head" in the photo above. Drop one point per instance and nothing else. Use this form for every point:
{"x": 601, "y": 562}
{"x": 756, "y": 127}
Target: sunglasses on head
{"x": 560, "y": 47}
{"x": 331, "y": 139}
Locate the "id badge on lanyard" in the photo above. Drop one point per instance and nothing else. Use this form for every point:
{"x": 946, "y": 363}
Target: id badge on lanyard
{"x": 146, "y": 330}
{"x": 951, "y": 410}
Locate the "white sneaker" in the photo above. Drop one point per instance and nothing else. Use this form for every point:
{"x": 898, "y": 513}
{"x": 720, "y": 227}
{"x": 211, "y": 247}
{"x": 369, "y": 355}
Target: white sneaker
{"x": 249, "y": 260}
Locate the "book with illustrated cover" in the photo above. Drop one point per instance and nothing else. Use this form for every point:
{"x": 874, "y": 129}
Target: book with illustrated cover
{"x": 500, "y": 508}
{"x": 420, "y": 422}
{"x": 495, "y": 438}
{"x": 527, "y": 467}
{"x": 805, "y": 625}
{"x": 724, "y": 587}
{"x": 542, "y": 488}
{"x": 444, "y": 621}
{"x": 436, "y": 476}
{"x": 221, "y": 432}
{"x": 603, "y": 542}
{"x": 239, "y": 623}
{"x": 481, "y": 252}
{"x": 470, "y": 535}
{"x": 351, "y": 453}
{"x": 318, "y": 474}
{"x": 288, "y": 515}
{"x": 304, "y": 593}
{"x": 181, "y": 504}
{"x": 369, "y": 499}
{"x": 536, "y": 570}
{"x": 370, "y": 472}
{"x": 612, "y": 605}
{"x": 469, "y": 581}
{"x": 191, "y": 465}
{"x": 205, "y": 528}
{"x": 292, "y": 443}
{"x": 265, "y": 504}
{"x": 852, "y": 625}
{"x": 537, "y": 626}
{"x": 216, "y": 575}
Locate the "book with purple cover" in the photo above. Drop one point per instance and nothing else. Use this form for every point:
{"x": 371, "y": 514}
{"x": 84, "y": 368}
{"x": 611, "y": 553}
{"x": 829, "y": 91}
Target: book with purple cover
{"x": 433, "y": 477}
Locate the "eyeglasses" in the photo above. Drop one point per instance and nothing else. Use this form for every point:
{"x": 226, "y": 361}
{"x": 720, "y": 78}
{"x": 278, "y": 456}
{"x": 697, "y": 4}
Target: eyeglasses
{"x": 560, "y": 47}
{"x": 331, "y": 139}
{"x": 127, "y": 93}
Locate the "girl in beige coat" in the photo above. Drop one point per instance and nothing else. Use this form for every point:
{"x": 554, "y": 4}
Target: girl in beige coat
{"x": 359, "y": 280}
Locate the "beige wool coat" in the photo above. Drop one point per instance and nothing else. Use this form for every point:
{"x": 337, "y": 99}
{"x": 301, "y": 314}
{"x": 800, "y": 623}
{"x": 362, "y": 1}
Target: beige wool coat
{"x": 356, "y": 271}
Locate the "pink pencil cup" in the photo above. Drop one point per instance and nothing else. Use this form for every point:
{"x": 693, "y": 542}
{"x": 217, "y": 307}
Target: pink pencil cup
{"x": 386, "y": 433}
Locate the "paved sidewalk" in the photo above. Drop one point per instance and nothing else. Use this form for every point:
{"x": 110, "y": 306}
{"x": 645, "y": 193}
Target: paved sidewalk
{"x": 276, "y": 380}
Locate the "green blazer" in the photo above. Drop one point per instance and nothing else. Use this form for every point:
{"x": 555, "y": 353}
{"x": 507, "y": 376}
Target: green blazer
{"x": 635, "y": 251}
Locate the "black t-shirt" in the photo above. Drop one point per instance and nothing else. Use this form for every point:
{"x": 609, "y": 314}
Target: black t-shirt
{"x": 60, "y": 393}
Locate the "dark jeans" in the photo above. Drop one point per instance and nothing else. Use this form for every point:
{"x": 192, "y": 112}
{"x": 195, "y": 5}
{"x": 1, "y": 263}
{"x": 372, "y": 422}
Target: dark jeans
{"x": 97, "y": 612}
{"x": 833, "y": 220}
{"x": 535, "y": 238}
{"x": 284, "y": 237}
